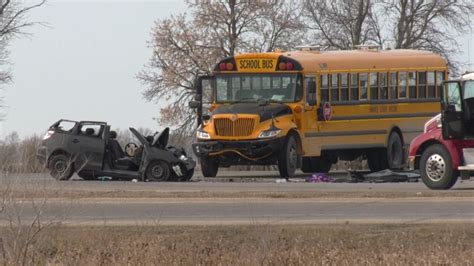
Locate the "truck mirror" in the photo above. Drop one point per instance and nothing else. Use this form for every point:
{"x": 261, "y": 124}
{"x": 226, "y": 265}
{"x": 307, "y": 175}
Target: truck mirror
{"x": 194, "y": 104}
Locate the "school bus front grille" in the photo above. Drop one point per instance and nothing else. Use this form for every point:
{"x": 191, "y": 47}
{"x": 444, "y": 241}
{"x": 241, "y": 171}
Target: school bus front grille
{"x": 242, "y": 127}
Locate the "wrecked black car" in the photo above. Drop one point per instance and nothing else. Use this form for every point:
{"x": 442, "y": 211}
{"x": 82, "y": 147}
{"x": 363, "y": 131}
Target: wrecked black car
{"x": 91, "y": 150}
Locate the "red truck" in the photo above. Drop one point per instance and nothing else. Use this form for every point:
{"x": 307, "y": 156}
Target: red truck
{"x": 445, "y": 150}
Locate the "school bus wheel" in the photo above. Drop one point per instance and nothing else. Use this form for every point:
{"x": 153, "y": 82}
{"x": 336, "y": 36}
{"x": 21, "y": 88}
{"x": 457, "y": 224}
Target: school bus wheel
{"x": 209, "y": 166}
{"x": 395, "y": 151}
{"x": 288, "y": 158}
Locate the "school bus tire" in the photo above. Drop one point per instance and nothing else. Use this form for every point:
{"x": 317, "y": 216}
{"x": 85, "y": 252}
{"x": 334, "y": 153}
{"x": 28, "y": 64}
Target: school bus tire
{"x": 288, "y": 157}
{"x": 209, "y": 167}
{"x": 395, "y": 151}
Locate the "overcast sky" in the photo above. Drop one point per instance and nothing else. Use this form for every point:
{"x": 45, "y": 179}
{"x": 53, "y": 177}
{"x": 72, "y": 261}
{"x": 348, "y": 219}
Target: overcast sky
{"x": 83, "y": 65}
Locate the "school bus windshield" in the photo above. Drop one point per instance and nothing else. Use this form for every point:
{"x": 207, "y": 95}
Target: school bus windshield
{"x": 232, "y": 88}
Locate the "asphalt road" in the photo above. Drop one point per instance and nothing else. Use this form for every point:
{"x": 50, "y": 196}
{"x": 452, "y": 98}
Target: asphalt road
{"x": 244, "y": 181}
{"x": 251, "y": 211}
{"x": 255, "y": 198}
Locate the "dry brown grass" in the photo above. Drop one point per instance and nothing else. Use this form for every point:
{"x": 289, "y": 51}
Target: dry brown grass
{"x": 256, "y": 245}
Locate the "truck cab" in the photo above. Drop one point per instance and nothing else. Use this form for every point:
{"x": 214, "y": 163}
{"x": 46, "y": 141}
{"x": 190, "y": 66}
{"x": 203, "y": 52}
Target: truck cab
{"x": 445, "y": 150}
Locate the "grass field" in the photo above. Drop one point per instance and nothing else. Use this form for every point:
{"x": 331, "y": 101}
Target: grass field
{"x": 257, "y": 244}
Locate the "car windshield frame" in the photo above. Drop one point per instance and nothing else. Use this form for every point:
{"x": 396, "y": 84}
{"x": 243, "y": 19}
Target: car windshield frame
{"x": 269, "y": 85}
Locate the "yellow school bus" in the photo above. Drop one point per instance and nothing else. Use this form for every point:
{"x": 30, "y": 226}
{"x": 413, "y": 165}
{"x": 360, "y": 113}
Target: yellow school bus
{"x": 308, "y": 108}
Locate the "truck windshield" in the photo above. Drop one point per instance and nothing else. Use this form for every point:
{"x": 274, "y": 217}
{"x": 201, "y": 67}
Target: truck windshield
{"x": 254, "y": 87}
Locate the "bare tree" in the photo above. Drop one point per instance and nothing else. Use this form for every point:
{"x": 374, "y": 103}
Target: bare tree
{"x": 430, "y": 25}
{"x": 281, "y": 27}
{"x": 185, "y": 47}
{"x": 180, "y": 54}
{"x": 342, "y": 24}
{"x": 13, "y": 22}
{"x": 407, "y": 24}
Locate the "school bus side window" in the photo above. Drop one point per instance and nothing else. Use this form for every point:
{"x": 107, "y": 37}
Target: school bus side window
{"x": 431, "y": 84}
{"x": 402, "y": 83}
{"x": 421, "y": 85}
{"x": 324, "y": 88}
{"x": 334, "y": 88}
{"x": 393, "y": 86}
{"x": 412, "y": 85}
{"x": 383, "y": 86}
{"x": 310, "y": 90}
{"x": 344, "y": 86}
{"x": 374, "y": 88}
{"x": 364, "y": 82}
{"x": 354, "y": 87}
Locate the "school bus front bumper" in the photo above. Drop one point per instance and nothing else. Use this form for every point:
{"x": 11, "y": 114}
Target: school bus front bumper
{"x": 249, "y": 149}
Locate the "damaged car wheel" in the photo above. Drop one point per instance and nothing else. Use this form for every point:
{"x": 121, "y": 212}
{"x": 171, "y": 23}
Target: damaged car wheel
{"x": 158, "y": 171}
{"x": 60, "y": 167}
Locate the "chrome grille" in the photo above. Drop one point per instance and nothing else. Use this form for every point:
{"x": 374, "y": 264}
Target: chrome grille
{"x": 241, "y": 127}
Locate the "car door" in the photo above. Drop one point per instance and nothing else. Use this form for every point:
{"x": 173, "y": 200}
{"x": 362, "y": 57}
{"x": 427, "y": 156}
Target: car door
{"x": 90, "y": 144}
{"x": 452, "y": 112}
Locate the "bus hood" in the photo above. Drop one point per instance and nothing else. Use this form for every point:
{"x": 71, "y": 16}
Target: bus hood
{"x": 265, "y": 112}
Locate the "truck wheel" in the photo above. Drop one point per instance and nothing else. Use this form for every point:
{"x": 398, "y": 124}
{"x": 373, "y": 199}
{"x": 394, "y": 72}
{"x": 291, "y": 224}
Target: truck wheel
{"x": 436, "y": 168}
{"x": 394, "y": 152}
{"x": 288, "y": 158}
{"x": 60, "y": 167}
{"x": 158, "y": 171}
{"x": 209, "y": 167}
{"x": 315, "y": 165}
{"x": 377, "y": 160}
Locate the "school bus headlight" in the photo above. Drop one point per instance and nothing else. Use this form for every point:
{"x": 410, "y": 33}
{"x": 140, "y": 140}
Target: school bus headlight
{"x": 269, "y": 133}
{"x": 201, "y": 134}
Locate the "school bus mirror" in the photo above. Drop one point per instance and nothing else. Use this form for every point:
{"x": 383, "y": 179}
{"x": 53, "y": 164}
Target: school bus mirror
{"x": 194, "y": 104}
{"x": 206, "y": 117}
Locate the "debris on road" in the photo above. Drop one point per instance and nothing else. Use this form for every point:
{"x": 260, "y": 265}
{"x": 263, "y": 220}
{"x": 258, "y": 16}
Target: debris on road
{"x": 384, "y": 176}
{"x": 320, "y": 178}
